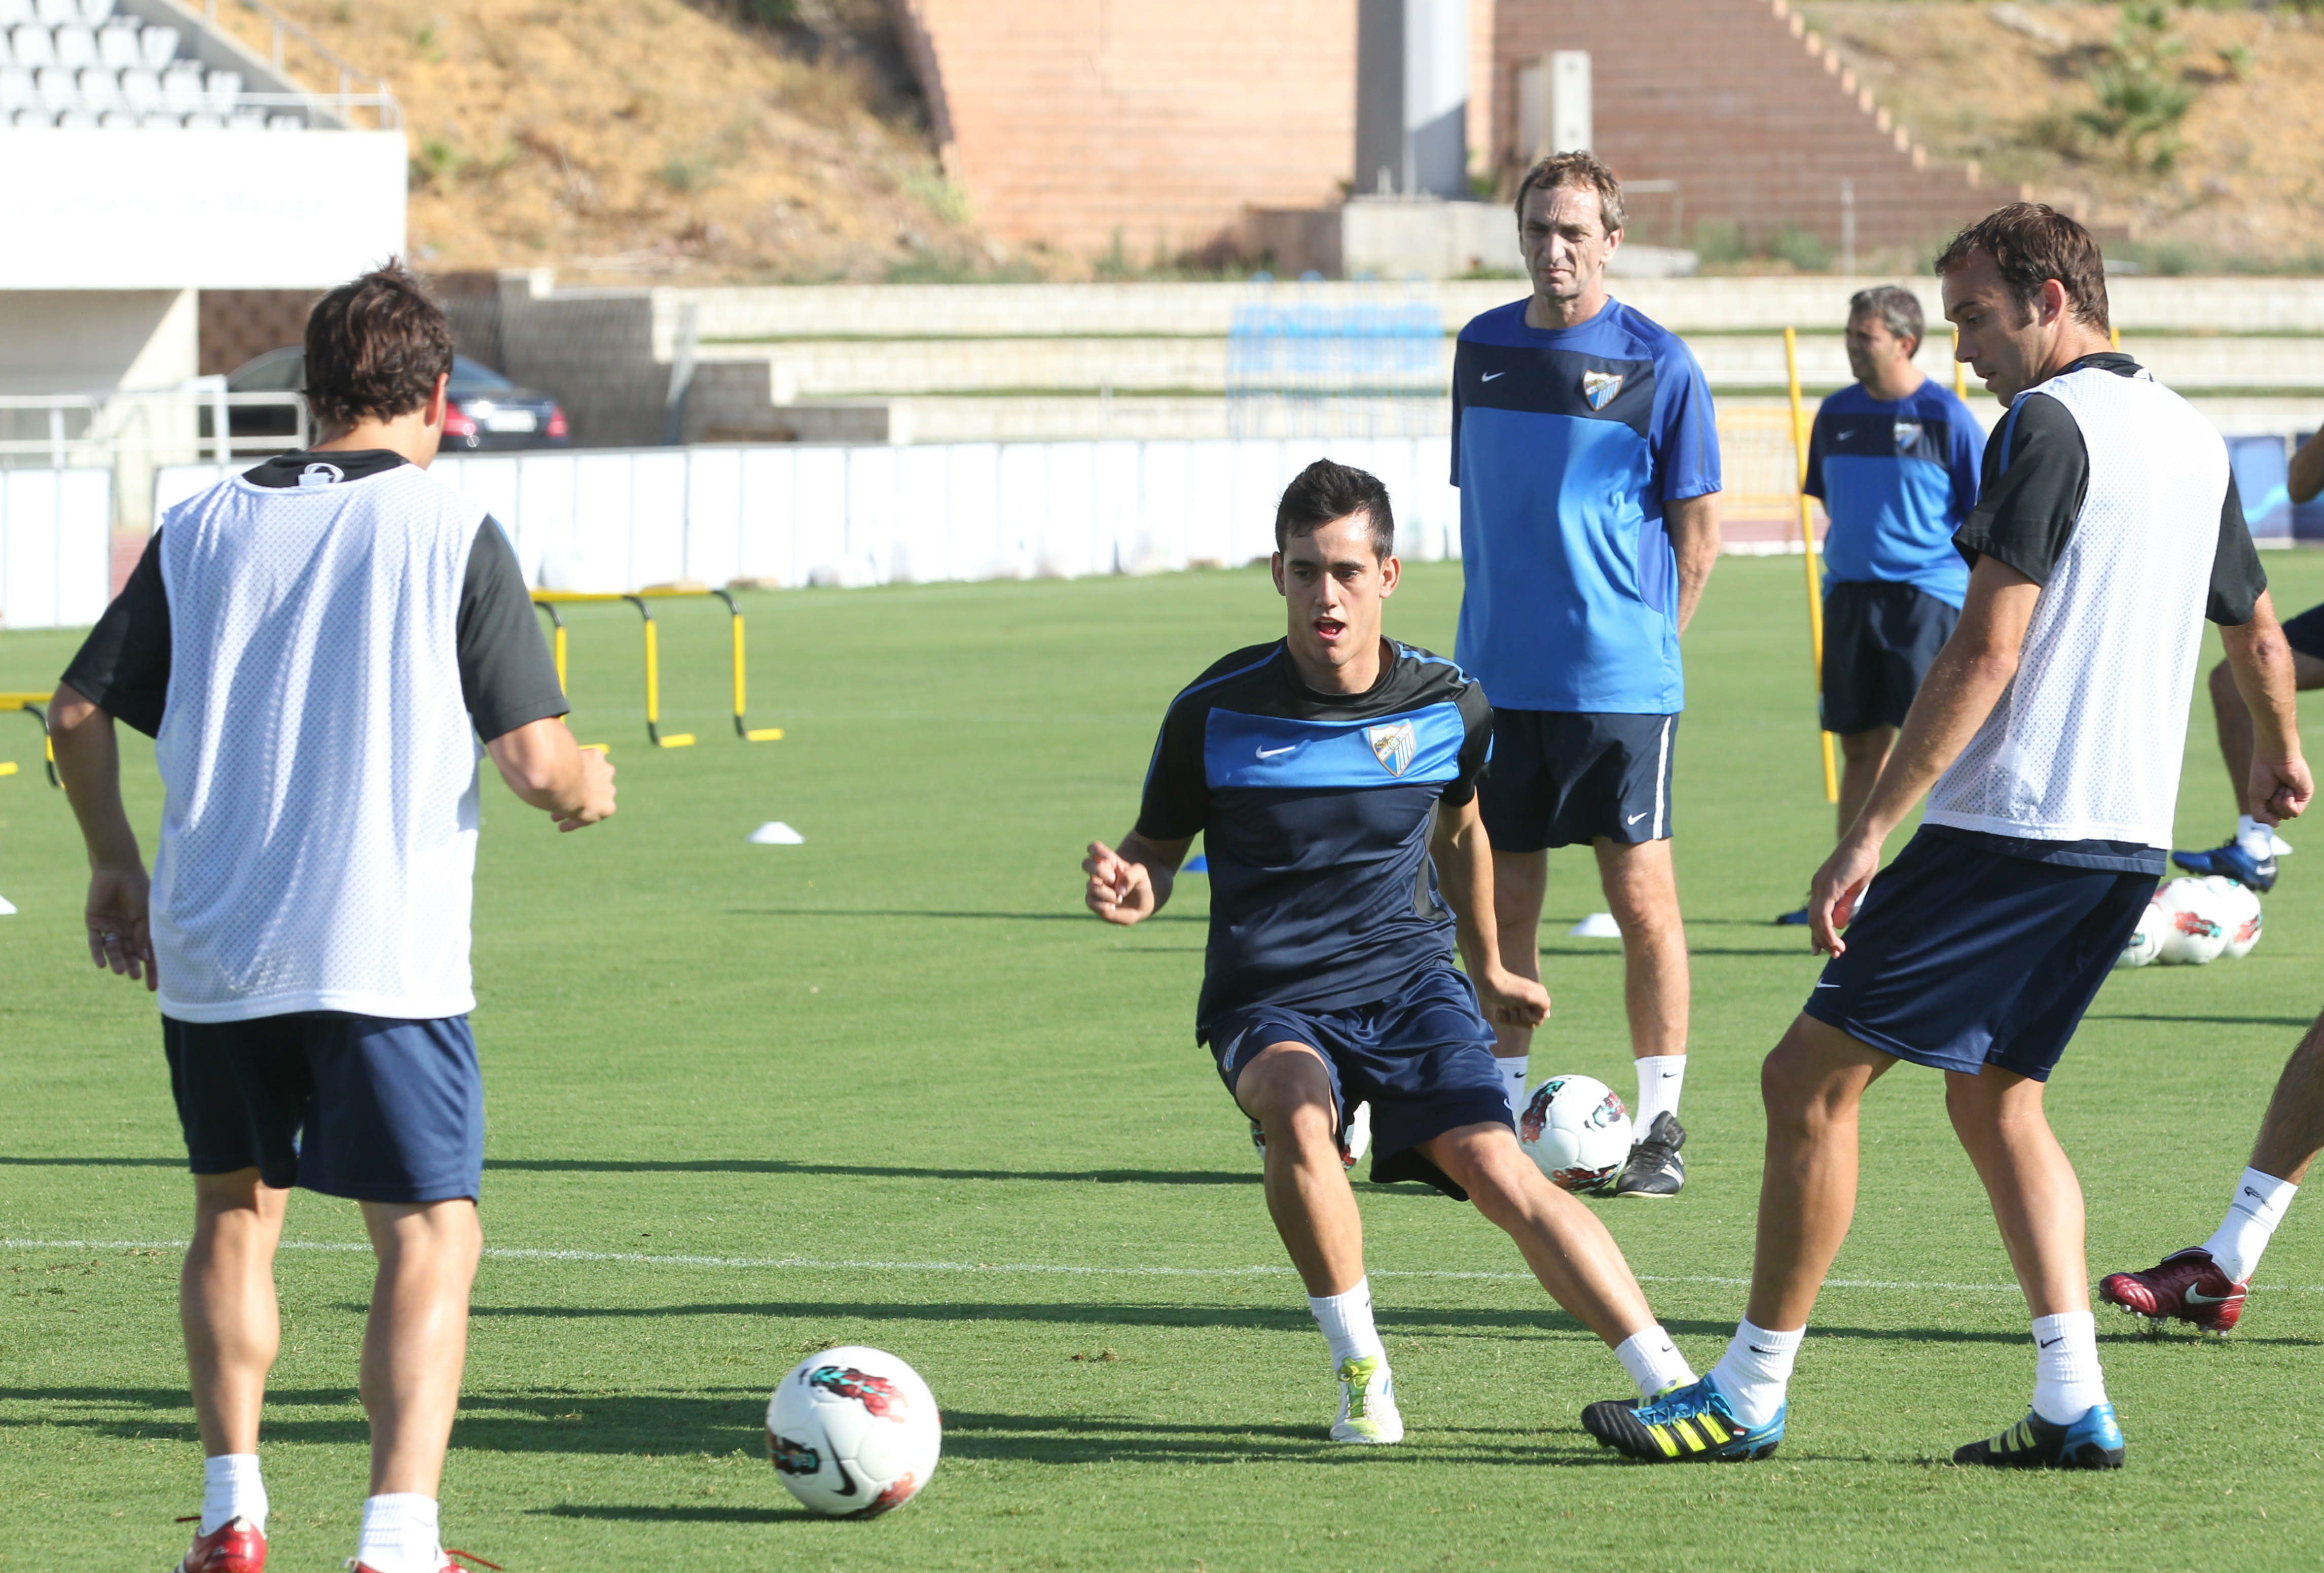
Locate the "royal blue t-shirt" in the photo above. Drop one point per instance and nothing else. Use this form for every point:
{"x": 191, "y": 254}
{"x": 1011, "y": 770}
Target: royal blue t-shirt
{"x": 1566, "y": 443}
{"x": 1897, "y": 477}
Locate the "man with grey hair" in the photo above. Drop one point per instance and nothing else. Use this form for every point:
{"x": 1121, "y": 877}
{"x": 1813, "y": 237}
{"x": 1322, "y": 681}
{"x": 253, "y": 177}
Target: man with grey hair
{"x": 1894, "y": 459}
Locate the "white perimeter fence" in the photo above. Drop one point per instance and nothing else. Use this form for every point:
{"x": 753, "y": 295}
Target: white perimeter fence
{"x": 620, "y": 519}
{"x": 55, "y": 532}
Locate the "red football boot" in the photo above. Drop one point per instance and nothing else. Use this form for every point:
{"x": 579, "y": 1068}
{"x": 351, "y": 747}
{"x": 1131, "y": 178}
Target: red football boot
{"x": 351, "y": 1566}
{"x": 2187, "y": 1285}
{"x": 235, "y": 1546}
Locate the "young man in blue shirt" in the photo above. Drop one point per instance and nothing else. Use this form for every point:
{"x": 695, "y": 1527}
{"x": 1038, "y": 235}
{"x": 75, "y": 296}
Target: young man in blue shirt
{"x": 1894, "y": 460}
{"x": 1332, "y": 775}
{"x": 1587, "y": 456}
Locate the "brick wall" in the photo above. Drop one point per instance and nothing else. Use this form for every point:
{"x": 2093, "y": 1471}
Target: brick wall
{"x": 240, "y": 325}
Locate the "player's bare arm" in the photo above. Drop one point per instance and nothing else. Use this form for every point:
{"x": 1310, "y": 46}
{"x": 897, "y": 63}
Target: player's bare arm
{"x": 1463, "y": 856}
{"x": 1693, "y": 526}
{"x": 89, "y": 763}
{"x": 1964, "y": 683}
{"x": 1132, "y": 884}
{"x": 2306, "y": 477}
{"x": 2261, "y": 660}
{"x": 546, "y": 769}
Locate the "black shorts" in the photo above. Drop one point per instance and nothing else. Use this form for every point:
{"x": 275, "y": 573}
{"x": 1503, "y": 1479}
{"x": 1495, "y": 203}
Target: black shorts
{"x": 1962, "y": 956}
{"x": 2305, "y": 633}
{"x": 1879, "y": 638}
{"x": 1564, "y": 778}
{"x": 366, "y": 1107}
{"x": 1423, "y": 1059}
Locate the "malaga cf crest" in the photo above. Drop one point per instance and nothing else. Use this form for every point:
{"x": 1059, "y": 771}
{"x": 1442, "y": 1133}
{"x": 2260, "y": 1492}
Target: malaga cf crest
{"x": 1394, "y": 745}
{"x": 1908, "y": 436}
{"x": 1599, "y": 387}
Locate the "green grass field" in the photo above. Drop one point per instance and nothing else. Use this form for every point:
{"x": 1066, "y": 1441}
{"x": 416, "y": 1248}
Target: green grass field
{"x": 893, "y": 1087}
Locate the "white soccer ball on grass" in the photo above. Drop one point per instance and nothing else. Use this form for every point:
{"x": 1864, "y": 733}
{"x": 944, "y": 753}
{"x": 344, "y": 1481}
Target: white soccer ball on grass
{"x": 2235, "y": 905}
{"x": 2145, "y": 941}
{"x": 2193, "y": 934}
{"x": 1576, "y": 1130}
{"x": 854, "y": 1432}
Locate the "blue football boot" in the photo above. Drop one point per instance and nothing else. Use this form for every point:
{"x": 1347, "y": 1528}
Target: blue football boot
{"x": 2258, "y": 874}
{"x": 1681, "y": 1425}
{"x": 2092, "y": 1441}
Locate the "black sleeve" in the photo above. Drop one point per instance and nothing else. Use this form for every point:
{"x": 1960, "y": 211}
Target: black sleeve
{"x": 2236, "y": 576}
{"x": 1476, "y": 746}
{"x": 506, "y": 676}
{"x": 124, "y": 664}
{"x": 1177, "y": 800}
{"x": 2037, "y": 471}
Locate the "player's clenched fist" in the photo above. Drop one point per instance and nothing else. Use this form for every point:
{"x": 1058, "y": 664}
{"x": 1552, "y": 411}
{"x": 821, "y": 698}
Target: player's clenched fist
{"x": 1119, "y": 891}
{"x": 1510, "y": 999}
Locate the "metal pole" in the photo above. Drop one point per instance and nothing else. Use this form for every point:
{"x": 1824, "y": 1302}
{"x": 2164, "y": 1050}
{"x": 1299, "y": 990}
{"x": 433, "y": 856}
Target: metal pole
{"x": 1960, "y": 371}
{"x": 1848, "y": 226}
{"x": 1807, "y": 539}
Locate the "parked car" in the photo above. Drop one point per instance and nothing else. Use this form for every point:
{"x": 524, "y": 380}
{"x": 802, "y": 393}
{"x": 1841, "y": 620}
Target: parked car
{"x": 488, "y": 409}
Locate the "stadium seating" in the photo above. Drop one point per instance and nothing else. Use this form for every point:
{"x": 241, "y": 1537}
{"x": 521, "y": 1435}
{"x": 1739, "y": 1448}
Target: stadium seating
{"x": 76, "y": 64}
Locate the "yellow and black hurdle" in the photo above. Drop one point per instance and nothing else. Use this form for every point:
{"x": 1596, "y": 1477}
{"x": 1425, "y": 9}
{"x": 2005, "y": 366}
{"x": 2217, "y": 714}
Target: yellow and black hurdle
{"x": 547, "y": 601}
{"x": 37, "y": 707}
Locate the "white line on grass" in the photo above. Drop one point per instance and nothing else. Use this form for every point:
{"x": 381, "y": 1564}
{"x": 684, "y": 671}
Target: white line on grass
{"x": 1006, "y": 1269}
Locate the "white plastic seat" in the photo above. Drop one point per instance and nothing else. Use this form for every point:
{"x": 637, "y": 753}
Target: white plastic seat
{"x": 141, "y": 89}
{"x": 52, "y": 13}
{"x": 182, "y": 88}
{"x": 16, "y": 90}
{"x": 28, "y": 43}
{"x": 219, "y": 91}
{"x": 286, "y": 122}
{"x": 29, "y": 118}
{"x": 100, "y": 89}
{"x": 246, "y": 120}
{"x": 95, "y": 12}
{"x": 201, "y": 120}
{"x": 58, "y": 90}
{"x": 76, "y": 120}
{"x": 159, "y": 122}
{"x": 76, "y": 46}
{"x": 116, "y": 44}
{"x": 159, "y": 45}
{"x": 12, "y": 12}
{"x": 117, "y": 120}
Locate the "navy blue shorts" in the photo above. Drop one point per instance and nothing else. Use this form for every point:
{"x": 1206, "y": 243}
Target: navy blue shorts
{"x": 2305, "y": 633}
{"x": 1962, "y": 958}
{"x": 1879, "y": 639}
{"x": 365, "y": 1107}
{"x": 1424, "y": 1060}
{"x": 1564, "y": 778}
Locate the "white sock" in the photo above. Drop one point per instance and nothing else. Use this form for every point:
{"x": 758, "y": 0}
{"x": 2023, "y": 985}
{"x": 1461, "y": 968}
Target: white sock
{"x": 1346, "y": 1319}
{"x": 2259, "y": 1205}
{"x": 1653, "y": 1361}
{"x": 1755, "y": 1370}
{"x": 1660, "y": 1078}
{"x": 2066, "y": 1378}
{"x": 232, "y": 1489}
{"x": 1513, "y": 1071}
{"x": 2254, "y": 839}
{"x": 399, "y": 1534}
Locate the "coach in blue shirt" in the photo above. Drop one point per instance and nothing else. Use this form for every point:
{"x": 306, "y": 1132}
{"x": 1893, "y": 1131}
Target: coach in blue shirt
{"x": 1587, "y": 456}
{"x": 1894, "y": 460}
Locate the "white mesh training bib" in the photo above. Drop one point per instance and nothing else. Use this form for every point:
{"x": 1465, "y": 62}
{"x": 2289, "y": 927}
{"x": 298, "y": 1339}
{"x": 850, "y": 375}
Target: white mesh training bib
{"x": 320, "y": 829}
{"x": 2086, "y": 742}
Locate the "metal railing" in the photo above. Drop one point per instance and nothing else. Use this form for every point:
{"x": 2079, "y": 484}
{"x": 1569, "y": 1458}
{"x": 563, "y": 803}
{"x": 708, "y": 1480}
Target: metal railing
{"x": 379, "y": 99}
{"x": 162, "y": 424}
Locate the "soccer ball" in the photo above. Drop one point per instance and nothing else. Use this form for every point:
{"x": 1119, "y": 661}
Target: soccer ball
{"x": 1576, "y": 1130}
{"x": 854, "y": 1432}
{"x": 2145, "y": 942}
{"x": 2192, "y": 933}
{"x": 2236, "y": 907}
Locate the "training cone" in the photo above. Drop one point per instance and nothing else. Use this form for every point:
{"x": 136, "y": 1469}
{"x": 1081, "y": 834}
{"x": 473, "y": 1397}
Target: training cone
{"x": 1596, "y": 925}
{"x": 775, "y": 833}
{"x": 8, "y": 908}
{"x": 1197, "y": 864}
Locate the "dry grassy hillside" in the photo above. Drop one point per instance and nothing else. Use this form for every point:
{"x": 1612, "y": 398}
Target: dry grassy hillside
{"x": 652, "y": 139}
{"x": 2078, "y": 100}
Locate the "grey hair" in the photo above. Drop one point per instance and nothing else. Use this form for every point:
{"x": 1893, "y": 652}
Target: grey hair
{"x": 1895, "y": 305}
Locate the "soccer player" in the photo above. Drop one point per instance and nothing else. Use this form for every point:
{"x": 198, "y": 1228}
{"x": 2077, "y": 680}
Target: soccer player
{"x": 1587, "y": 456}
{"x": 1333, "y": 775}
{"x": 315, "y": 648}
{"x": 2048, "y": 739}
{"x": 1894, "y": 459}
{"x": 2204, "y": 1285}
{"x": 2250, "y": 854}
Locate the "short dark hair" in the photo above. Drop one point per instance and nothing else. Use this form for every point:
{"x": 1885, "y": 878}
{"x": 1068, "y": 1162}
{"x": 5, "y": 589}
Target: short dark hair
{"x": 1326, "y": 491}
{"x": 1897, "y": 306}
{"x": 2032, "y": 243}
{"x": 376, "y": 347}
{"x": 1585, "y": 170}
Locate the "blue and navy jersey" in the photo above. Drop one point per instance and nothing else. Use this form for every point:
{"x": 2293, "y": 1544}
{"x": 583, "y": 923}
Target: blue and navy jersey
{"x": 1566, "y": 443}
{"x": 1314, "y": 810}
{"x": 1897, "y": 479}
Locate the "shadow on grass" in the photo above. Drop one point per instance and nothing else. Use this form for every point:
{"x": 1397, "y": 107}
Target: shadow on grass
{"x": 2297, "y": 1022}
{"x": 642, "y": 1513}
{"x": 870, "y": 1171}
{"x": 92, "y": 1162}
{"x": 1064, "y": 917}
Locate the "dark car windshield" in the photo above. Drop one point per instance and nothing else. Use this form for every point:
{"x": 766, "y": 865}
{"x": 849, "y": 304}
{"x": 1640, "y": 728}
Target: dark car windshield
{"x": 278, "y": 371}
{"x": 469, "y": 378}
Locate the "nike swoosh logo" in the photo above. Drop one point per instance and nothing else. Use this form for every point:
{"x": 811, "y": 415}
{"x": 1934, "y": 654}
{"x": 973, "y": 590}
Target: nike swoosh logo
{"x": 1641, "y": 814}
{"x": 1827, "y": 985}
{"x": 1756, "y": 1350}
{"x": 1271, "y": 753}
{"x": 1489, "y": 376}
{"x": 846, "y": 1481}
{"x": 2045, "y": 1342}
{"x": 1670, "y": 1075}
{"x": 2196, "y": 1297}
{"x": 2251, "y": 1193}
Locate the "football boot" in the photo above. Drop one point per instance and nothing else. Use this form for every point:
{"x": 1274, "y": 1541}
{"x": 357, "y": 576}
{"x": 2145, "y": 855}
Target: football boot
{"x": 1654, "y": 1168}
{"x": 1368, "y": 1412}
{"x": 2092, "y": 1441}
{"x": 2233, "y": 861}
{"x": 235, "y": 1546}
{"x": 1682, "y": 1425}
{"x": 1355, "y": 1135}
{"x": 2186, "y": 1285}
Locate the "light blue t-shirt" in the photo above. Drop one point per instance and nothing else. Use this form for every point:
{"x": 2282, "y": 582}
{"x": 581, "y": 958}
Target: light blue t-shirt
{"x": 1566, "y": 443}
{"x": 1897, "y": 479}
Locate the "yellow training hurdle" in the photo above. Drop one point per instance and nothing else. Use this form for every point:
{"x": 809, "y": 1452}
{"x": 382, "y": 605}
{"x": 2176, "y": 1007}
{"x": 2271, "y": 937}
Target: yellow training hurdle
{"x": 35, "y": 705}
{"x": 549, "y": 601}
